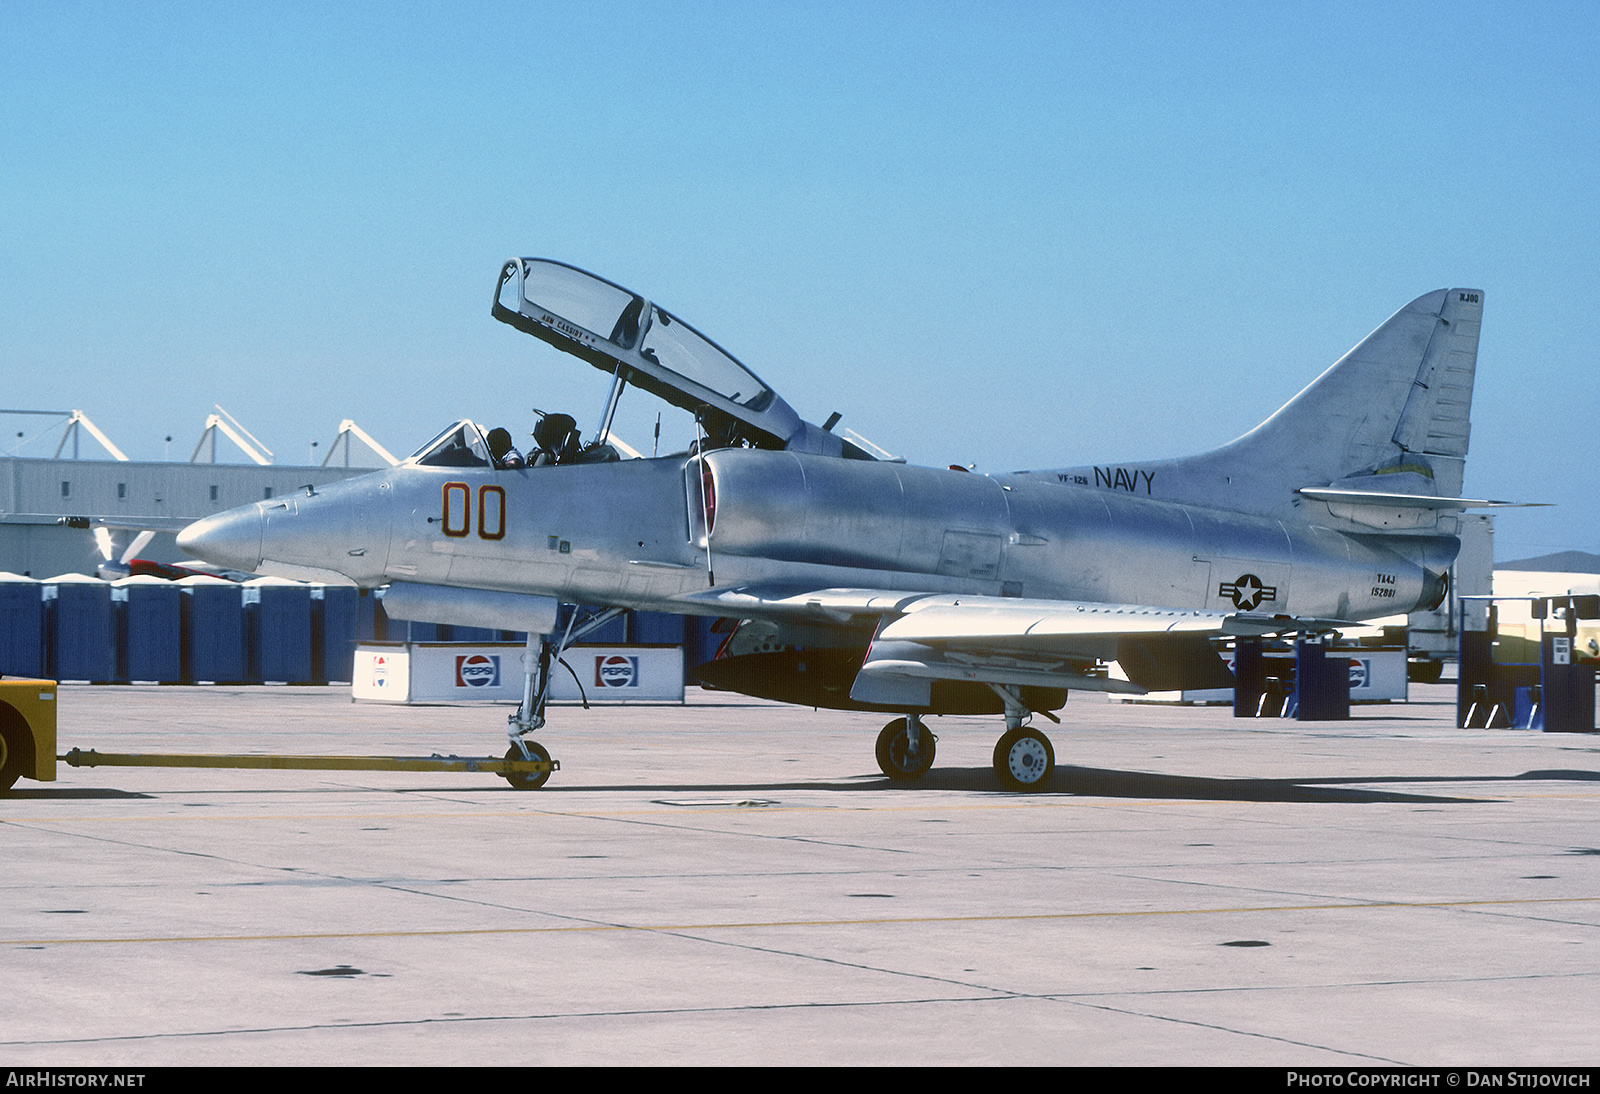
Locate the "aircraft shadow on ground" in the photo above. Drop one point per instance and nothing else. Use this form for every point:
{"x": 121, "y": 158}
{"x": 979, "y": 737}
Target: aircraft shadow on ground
{"x": 1109, "y": 783}
{"x": 1093, "y": 782}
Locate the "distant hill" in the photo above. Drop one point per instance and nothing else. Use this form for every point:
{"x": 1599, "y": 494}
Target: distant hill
{"x": 1562, "y": 562}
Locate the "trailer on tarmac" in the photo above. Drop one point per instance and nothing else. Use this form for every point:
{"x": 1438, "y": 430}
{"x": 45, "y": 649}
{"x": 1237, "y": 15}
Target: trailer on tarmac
{"x": 28, "y": 750}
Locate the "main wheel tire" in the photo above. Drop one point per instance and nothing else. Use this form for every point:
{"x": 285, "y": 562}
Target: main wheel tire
{"x": 535, "y": 779}
{"x": 894, "y": 755}
{"x": 1024, "y": 760}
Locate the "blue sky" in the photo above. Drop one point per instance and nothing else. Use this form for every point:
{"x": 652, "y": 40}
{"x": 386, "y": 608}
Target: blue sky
{"x": 1016, "y": 235}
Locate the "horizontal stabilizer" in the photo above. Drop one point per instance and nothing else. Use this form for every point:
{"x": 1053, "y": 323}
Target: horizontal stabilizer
{"x": 1411, "y": 501}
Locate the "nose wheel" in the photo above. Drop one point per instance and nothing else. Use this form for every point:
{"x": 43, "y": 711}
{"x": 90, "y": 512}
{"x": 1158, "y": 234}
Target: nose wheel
{"x": 1024, "y": 760}
{"x": 531, "y": 780}
{"x": 905, "y": 749}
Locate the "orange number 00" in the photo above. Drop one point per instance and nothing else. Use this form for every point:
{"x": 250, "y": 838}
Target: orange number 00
{"x": 456, "y": 504}
{"x": 491, "y": 512}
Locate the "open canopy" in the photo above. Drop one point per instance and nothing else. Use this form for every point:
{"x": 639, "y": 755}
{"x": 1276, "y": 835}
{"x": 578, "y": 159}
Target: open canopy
{"x": 622, "y": 333}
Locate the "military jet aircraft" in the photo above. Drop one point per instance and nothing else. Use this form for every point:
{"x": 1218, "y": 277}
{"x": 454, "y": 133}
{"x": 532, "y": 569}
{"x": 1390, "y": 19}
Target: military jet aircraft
{"x": 865, "y": 584}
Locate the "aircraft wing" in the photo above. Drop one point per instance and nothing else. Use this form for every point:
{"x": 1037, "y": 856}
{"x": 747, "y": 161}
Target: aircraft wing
{"x": 922, "y": 636}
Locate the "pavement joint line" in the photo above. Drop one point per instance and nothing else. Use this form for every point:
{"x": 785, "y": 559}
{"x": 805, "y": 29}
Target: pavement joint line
{"x": 335, "y": 813}
{"x": 1083, "y": 999}
{"x": 759, "y": 925}
{"x": 784, "y": 837}
{"x": 1233, "y": 1030}
{"x": 639, "y": 1012}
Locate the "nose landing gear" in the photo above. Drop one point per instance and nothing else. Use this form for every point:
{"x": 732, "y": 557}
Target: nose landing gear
{"x": 527, "y": 750}
{"x": 540, "y": 659}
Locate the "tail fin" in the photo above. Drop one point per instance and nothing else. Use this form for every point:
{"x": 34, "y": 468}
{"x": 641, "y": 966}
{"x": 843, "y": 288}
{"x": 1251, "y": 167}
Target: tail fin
{"x": 1392, "y": 416}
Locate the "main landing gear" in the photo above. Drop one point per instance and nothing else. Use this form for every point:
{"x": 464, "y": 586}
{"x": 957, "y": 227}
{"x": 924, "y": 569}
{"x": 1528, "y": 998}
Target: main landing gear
{"x": 539, "y": 660}
{"x": 905, "y": 749}
{"x": 1023, "y": 759}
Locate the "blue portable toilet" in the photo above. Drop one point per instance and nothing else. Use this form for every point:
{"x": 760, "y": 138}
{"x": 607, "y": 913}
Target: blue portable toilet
{"x": 213, "y": 630}
{"x": 278, "y": 616}
{"x": 614, "y": 633}
{"x": 81, "y": 628}
{"x": 371, "y": 623}
{"x": 149, "y": 629}
{"x": 396, "y": 629}
{"x": 1249, "y": 677}
{"x": 657, "y": 629}
{"x": 700, "y": 643}
{"x": 1321, "y": 682}
{"x": 335, "y": 616}
{"x": 22, "y": 651}
{"x": 415, "y": 630}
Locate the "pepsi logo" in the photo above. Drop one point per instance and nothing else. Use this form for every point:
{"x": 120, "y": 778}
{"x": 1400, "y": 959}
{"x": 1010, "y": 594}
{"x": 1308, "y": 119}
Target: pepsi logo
{"x": 1360, "y": 672}
{"x": 477, "y": 670}
{"x": 614, "y": 670}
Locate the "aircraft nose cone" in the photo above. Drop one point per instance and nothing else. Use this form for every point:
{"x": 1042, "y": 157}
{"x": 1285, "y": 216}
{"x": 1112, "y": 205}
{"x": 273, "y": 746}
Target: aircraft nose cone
{"x": 231, "y": 539}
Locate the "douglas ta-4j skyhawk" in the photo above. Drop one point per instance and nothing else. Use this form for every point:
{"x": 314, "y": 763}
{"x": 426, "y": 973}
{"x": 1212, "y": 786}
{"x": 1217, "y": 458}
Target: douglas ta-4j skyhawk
{"x": 861, "y": 583}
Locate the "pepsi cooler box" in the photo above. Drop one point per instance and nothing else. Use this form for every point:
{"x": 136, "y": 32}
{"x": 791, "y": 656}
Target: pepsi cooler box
{"x": 432, "y": 672}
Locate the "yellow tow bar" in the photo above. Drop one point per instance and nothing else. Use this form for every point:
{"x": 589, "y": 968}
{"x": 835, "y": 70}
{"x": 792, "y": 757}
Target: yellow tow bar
{"x": 91, "y": 758}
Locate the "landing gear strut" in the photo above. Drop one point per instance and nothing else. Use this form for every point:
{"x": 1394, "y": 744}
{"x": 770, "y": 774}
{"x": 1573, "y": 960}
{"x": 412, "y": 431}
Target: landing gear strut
{"x": 1023, "y": 758}
{"x": 539, "y": 659}
{"x": 905, "y": 749}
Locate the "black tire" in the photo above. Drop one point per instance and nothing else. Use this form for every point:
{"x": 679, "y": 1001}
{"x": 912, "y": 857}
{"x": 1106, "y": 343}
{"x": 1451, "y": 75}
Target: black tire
{"x": 535, "y": 780}
{"x": 1024, "y": 760}
{"x": 16, "y": 746}
{"x": 10, "y": 768}
{"x": 894, "y": 759}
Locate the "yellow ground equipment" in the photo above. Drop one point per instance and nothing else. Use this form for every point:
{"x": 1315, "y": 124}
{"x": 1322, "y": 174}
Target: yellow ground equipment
{"x": 28, "y": 750}
{"x": 27, "y": 730}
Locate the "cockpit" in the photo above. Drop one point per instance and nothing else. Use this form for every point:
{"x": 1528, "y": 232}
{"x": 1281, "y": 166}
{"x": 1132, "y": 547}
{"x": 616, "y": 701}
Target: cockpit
{"x": 556, "y": 440}
{"x": 462, "y": 445}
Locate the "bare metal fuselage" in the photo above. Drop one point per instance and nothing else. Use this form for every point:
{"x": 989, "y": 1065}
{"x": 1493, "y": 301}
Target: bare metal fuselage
{"x": 632, "y": 534}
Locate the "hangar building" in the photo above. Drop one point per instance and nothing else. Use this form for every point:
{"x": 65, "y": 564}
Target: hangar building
{"x": 36, "y": 493}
